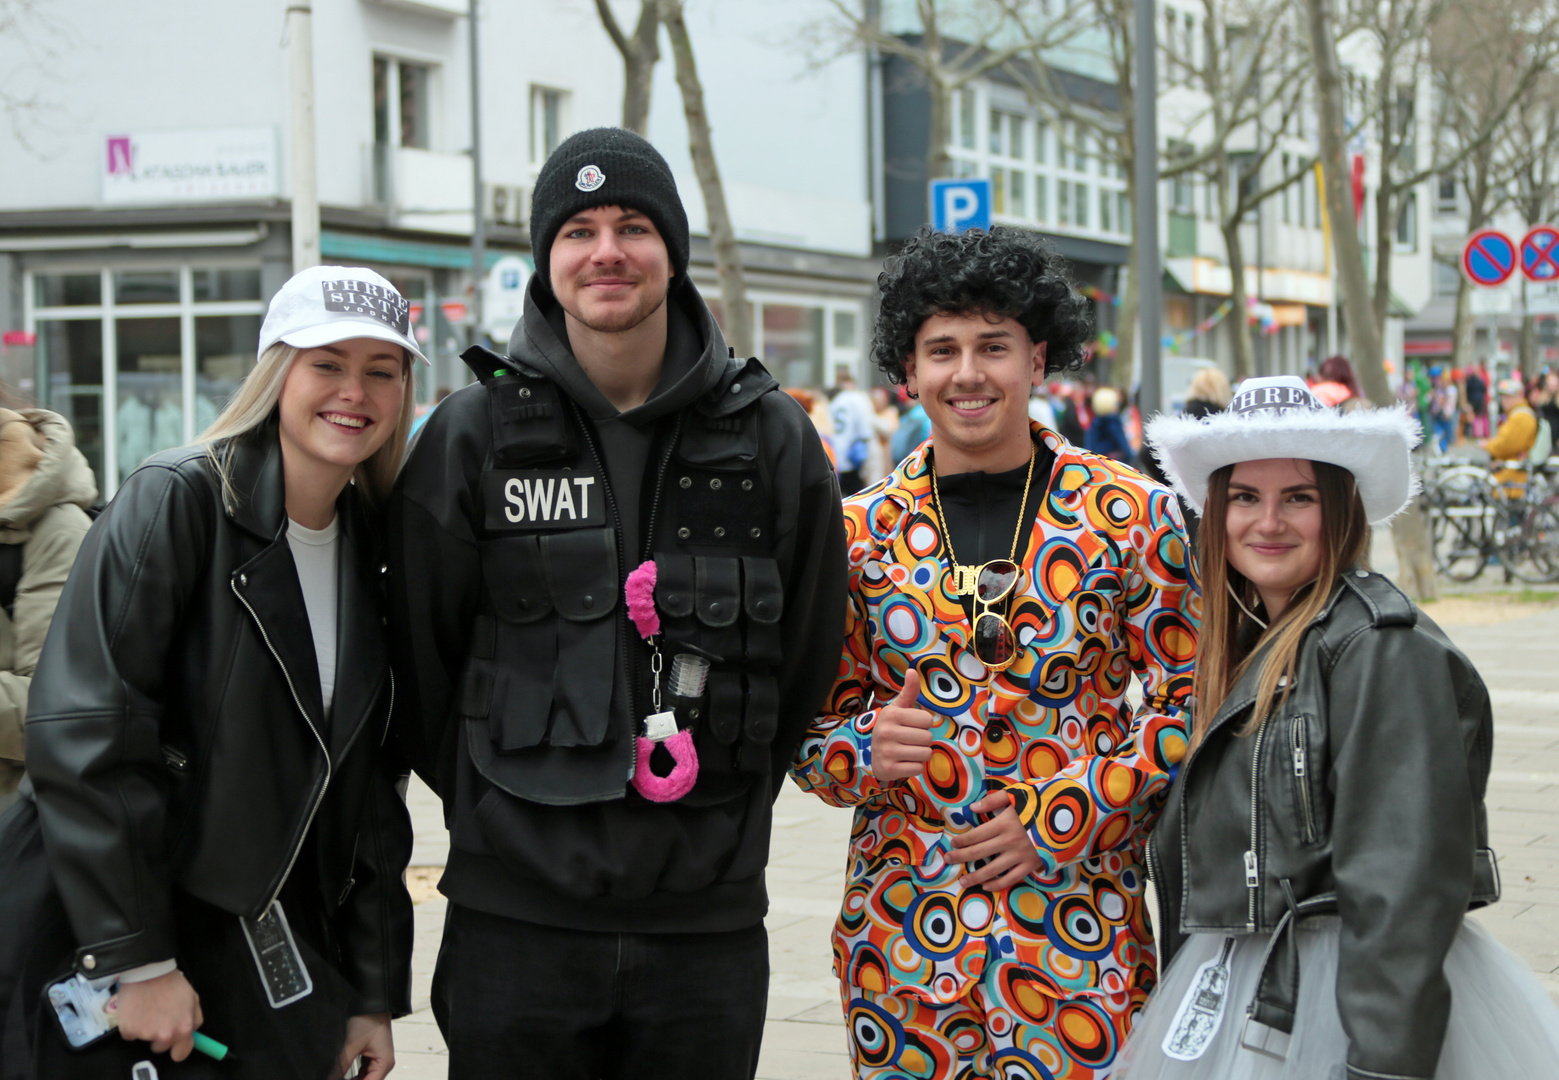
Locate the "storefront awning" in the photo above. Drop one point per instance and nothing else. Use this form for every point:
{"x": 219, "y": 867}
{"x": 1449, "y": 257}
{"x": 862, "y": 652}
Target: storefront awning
{"x": 364, "y": 248}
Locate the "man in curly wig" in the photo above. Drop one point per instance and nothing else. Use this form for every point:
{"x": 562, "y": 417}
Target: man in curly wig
{"x": 1004, "y": 584}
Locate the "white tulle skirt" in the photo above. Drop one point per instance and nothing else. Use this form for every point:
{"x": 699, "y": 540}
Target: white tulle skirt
{"x": 1503, "y": 1024}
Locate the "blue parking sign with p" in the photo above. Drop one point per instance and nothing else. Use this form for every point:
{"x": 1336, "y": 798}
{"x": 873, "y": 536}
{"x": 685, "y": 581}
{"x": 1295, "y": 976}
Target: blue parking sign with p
{"x": 957, "y": 205}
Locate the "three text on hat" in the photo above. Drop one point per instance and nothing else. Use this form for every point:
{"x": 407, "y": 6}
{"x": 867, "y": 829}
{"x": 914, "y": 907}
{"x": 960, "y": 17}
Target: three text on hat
{"x": 364, "y": 298}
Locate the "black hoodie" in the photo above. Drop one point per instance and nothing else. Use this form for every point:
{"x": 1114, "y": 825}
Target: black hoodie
{"x": 595, "y": 855}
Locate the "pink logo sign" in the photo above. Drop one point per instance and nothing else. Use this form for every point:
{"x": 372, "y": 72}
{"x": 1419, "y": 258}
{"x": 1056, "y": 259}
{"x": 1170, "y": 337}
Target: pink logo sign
{"x": 120, "y": 156}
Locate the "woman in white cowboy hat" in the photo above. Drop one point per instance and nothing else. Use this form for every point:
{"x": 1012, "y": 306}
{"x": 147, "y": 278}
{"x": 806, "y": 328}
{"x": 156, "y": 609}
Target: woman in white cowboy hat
{"x": 1327, "y": 832}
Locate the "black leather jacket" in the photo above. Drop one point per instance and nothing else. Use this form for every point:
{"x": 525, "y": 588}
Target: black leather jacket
{"x": 176, "y": 735}
{"x": 1361, "y": 796}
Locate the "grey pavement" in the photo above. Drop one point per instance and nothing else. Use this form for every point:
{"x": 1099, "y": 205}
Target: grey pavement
{"x": 804, "y": 1037}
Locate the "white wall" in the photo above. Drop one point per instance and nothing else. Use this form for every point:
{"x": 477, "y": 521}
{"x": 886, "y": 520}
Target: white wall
{"x": 791, "y": 139}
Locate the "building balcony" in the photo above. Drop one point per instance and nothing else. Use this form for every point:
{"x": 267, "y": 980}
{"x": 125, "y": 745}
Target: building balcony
{"x": 422, "y": 189}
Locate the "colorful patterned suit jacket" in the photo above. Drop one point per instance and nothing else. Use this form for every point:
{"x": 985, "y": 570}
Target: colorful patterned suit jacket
{"x": 1106, "y": 591}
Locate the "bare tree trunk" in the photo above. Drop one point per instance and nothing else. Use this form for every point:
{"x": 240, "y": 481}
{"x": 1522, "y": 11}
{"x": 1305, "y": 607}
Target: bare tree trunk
{"x": 1464, "y": 330}
{"x": 1385, "y": 241}
{"x": 1410, "y": 530}
{"x": 640, "y": 54}
{"x": 1126, "y": 317}
{"x": 722, "y": 236}
{"x": 1239, "y": 318}
{"x": 939, "y": 162}
{"x": 1528, "y": 342}
{"x": 1364, "y": 334}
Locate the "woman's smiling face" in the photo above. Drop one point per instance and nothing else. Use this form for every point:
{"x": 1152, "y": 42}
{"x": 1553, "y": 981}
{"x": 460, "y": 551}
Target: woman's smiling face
{"x": 340, "y": 402}
{"x": 1273, "y": 527}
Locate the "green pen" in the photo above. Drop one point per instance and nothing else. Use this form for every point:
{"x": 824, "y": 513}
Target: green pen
{"x": 210, "y": 1047}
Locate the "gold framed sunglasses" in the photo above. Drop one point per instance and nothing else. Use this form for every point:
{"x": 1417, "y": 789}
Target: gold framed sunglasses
{"x": 995, "y": 645}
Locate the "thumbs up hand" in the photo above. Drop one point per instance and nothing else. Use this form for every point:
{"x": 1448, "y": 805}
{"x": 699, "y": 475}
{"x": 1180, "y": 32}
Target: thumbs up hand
{"x": 901, "y": 735}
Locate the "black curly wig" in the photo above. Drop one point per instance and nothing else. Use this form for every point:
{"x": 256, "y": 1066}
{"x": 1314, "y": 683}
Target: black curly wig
{"x": 1004, "y": 272}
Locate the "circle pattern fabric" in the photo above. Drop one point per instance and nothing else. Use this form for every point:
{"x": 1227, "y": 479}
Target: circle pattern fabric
{"x": 1042, "y": 978}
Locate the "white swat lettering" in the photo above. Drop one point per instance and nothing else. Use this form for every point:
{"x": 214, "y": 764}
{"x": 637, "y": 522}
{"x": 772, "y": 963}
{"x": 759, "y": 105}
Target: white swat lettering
{"x": 539, "y": 497}
{"x": 565, "y": 498}
{"x": 514, "y": 493}
{"x": 584, "y": 495}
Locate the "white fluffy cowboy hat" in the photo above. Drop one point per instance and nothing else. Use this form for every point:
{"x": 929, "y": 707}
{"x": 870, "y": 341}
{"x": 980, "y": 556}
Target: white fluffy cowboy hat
{"x": 1279, "y": 417}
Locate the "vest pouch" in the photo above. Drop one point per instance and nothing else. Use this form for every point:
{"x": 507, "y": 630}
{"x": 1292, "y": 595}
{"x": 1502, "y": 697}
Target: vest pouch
{"x": 508, "y": 679}
{"x": 717, "y": 602}
{"x": 760, "y": 719}
{"x": 582, "y": 578}
{"x": 763, "y": 602}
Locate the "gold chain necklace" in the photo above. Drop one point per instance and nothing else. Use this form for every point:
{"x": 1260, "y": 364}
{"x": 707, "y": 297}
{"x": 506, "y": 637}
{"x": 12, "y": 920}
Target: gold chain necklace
{"x": 965, "y": 577}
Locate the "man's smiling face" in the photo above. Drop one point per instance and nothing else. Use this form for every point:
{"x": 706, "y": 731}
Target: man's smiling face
{"x": 974, "y": 373}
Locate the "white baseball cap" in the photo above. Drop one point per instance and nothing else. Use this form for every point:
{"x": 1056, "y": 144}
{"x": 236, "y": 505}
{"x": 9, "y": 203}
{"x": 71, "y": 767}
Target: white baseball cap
{"x": 326, "y": 304}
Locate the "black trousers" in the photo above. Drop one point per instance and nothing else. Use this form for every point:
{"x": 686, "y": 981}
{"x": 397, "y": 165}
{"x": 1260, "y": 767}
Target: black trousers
{"x": 515, "y": 999}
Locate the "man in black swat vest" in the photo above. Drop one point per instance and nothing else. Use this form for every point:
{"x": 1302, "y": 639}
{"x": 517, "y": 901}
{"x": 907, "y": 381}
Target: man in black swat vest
{"x": 606, "y": 916}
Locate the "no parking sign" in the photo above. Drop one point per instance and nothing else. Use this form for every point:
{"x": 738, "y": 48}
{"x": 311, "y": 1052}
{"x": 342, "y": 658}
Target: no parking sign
{"x": 1489, "y": 258}
{"x": 1540, "y": 253}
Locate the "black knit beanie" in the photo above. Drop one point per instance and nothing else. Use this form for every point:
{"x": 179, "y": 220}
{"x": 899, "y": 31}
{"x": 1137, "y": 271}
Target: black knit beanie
{"x": 606, "y": 167}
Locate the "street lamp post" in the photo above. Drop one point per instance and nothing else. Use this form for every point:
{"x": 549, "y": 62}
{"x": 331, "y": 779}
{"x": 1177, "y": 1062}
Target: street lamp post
{"x": 478, "y": 203}
{"x": 304, "y": 182}
{"x": 1149, "y": 268}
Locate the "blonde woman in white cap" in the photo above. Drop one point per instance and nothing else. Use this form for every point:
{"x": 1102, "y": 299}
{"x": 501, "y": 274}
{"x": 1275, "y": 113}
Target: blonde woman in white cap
{"x": 1327, "y": 831}
{"x": 212, "y": 832}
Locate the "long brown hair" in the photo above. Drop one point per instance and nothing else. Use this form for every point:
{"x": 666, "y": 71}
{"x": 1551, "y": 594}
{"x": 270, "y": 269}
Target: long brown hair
{"x": 1223, "y": 651}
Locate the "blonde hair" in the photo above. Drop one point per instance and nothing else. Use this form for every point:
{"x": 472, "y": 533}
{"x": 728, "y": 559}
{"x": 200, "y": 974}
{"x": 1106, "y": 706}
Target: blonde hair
{"x": 256, "y": 401}
{"x": 1212, "y": 385}
{"x": 1223, "y": 653}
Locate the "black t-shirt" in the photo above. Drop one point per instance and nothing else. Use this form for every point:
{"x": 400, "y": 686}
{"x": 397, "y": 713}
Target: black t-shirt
{"x": 983, "y": 508}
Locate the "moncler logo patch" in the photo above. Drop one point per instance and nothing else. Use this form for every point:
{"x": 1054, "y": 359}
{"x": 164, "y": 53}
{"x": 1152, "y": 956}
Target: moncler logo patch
{"x": 530, "y": 499}
{"x": 589, "y": 179}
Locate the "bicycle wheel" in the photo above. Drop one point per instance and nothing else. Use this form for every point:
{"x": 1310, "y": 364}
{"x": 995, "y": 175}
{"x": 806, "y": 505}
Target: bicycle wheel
{"x": 1532, "y": 551}
{"x": 1460, "y": 533}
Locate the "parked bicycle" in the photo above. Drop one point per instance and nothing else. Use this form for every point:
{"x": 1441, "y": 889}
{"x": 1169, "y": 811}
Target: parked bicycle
{"x": 1474, "y": 519}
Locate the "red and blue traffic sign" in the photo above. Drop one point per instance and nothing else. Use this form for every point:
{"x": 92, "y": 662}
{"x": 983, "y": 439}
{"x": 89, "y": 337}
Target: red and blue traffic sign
{"x": 1489, "y": 257}
{"x": 1540, "y": 253}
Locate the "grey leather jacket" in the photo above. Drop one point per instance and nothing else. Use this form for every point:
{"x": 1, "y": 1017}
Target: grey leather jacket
{"x": 1361, "y": 796}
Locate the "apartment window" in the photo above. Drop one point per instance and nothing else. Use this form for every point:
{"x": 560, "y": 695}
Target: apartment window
{"x": 548, "y": 121}
{"x": 1445, "y": 193}
{"x": 1447, "y": 278}
{"x": 998, "y": 190}
{"x": 1123, "y": 212}
{"x": 1080, "y": 206}
{"x": 966, "y": 114}
{"x": 1407, "y": 223}
{"x": 1288, "y": 215}
{"x": 1041, "y": 198}
{"x": 1106, "y": 217}
{"x": 403, "y": 107}
{"x": 1063, "y": 202}
{"x": 1041, "y": 141}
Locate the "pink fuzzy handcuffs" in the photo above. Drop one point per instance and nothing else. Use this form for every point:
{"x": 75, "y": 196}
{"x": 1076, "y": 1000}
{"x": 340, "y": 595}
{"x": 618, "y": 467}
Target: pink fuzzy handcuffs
{"x": 661, "y": 729}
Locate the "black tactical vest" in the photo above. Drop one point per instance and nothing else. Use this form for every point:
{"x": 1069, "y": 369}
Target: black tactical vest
{"x": 553, "y": 632}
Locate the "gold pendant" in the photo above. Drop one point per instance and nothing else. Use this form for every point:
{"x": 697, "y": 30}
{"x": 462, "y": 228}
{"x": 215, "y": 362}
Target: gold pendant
{"x": 965, "y": 579}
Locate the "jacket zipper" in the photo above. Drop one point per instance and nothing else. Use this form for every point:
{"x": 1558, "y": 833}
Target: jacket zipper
{"x": 1302, "y": 775}
{"x": 622, "y": 624}
{"x": 1252, "y": 865}
{"x": 320, "y": 797}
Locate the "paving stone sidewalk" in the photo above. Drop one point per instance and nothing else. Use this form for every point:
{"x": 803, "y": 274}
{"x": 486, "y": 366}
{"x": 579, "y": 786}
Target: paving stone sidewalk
{"x": 804, "y": 1038}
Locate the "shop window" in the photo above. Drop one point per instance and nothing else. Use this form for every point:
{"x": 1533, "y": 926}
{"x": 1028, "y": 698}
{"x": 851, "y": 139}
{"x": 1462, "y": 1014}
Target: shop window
{"x": 224, "y": 353}
{"x": 122, "y": 371}
{"x": 146, "y": 287}
{"x": 793, "y": 343}
{"x": 71, "y": 355}
{"x": 239, "y": 284}
{"x": 68, "y": 290}
{"x": 845, "y": 330}
{"x": 150, "y": 414}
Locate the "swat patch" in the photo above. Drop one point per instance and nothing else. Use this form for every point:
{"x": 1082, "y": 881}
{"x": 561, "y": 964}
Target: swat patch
{"x": 524, "y": 499}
